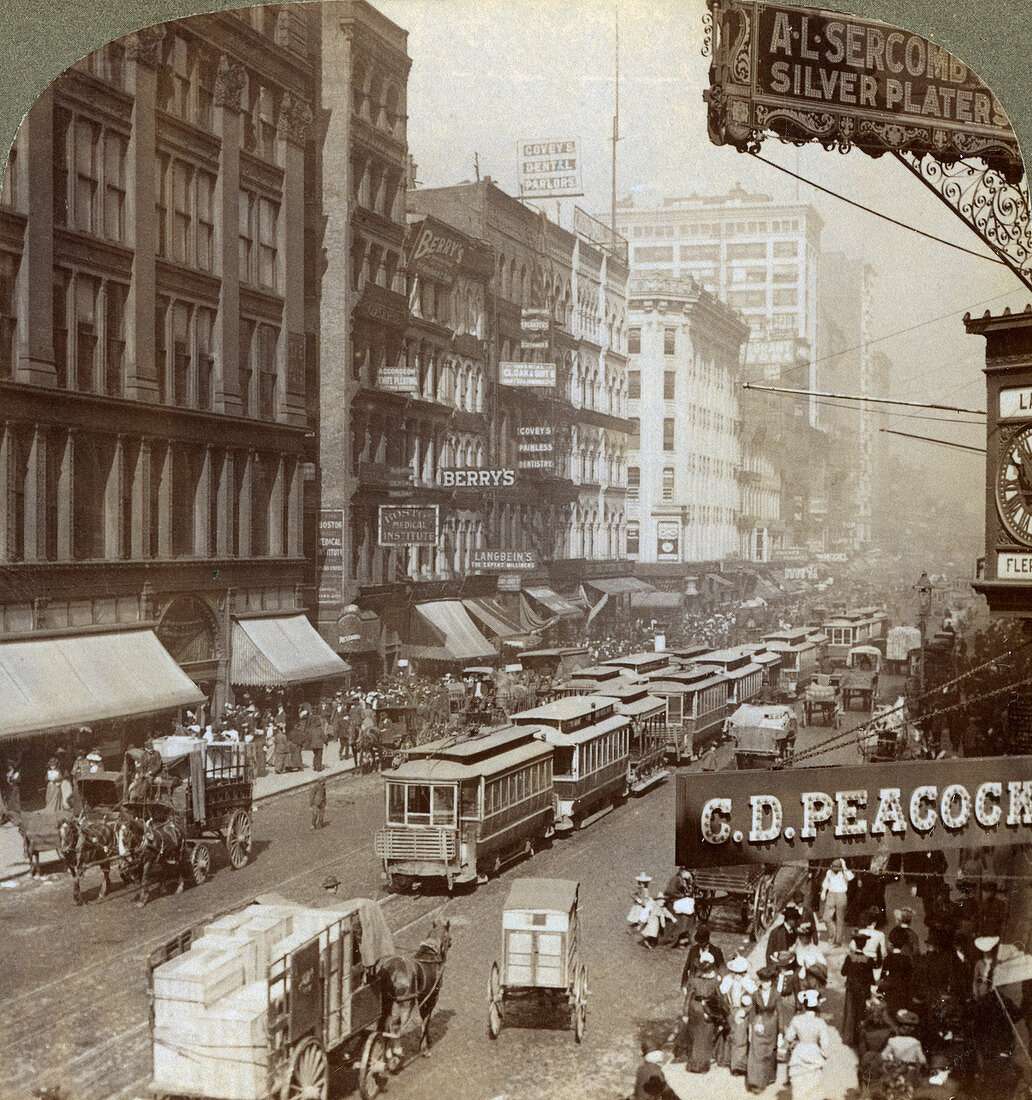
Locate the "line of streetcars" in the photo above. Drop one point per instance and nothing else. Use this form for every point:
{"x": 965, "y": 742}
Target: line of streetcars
{"x": 458, "y": 808}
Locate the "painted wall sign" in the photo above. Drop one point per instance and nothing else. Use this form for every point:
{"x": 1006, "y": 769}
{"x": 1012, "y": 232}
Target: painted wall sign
{"x": 536, "y": 447}
{"x": 475, "y": 477}
{"x": 408, "y": 525}
{"x": 506, "y": 560}
{"x": 526, "y": 374}
{"x": 668, "y": 534}
{"x": 331, "y": 554}
{"x": 736, "y": 817}
{"x": 549, "y": 169}
{"x": 807, "y": 74}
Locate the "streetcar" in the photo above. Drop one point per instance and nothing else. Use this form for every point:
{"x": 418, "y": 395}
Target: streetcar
{"x": 592, "y": 755}
{"x": 648, "y": 735}
{"x": 649, "y": 664}
{"x": 864, "y": 626}
{"x": 798, "y": 653}
{"x": 744, "y": 675}
{"x": 697, "y": 704}
{"x": 458, "y": 809}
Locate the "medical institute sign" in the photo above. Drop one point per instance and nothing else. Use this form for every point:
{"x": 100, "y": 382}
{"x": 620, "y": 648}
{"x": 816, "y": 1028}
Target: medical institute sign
{"x": 741, "y": 817}
{"x": 805, "y": 74}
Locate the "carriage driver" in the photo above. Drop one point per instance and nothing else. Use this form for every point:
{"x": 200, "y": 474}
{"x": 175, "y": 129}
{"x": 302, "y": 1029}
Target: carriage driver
{"x": 144, "y": 785}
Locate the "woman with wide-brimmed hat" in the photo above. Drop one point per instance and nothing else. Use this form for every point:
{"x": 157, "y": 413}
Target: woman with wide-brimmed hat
{"x": 809, "y": 1040}
{"x": 761, "y": 1067}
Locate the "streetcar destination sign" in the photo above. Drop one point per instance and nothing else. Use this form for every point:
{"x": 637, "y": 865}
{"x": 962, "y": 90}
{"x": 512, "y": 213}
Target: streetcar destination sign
{"x": 736, "y": 817}
{"x": 807, "y": 74}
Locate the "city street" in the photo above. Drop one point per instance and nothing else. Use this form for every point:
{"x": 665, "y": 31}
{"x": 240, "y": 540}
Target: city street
{"x": 86, "y": 1027}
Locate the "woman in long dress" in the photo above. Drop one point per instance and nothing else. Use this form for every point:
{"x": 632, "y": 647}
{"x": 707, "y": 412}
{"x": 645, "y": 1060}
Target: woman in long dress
{"x": 761, "y": 1068}
{"x": 702, "y": 1014}
{"x": 809, "y": 1039}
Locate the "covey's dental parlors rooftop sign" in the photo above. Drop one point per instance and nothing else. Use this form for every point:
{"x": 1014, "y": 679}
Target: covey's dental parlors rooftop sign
{"x": 807, "y": 74}
{"x": 728, "y": 818}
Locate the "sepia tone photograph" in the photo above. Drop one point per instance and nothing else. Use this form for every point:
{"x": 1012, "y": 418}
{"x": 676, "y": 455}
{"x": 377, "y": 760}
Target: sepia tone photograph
{"x": 515, "y": 558}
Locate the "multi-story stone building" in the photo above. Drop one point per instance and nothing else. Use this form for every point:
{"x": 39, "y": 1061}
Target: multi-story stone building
{"x": 569, "y": 505}
{"x": 684, "y": 474}
{"x": 154, "y": 370}
{"x": 756, "y": 254}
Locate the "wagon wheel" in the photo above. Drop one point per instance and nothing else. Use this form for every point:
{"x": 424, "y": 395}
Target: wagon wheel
{"x": 373, "y": 1072}
{"x": 238, "y": 839}
{"x": 764, "y": 906}
{"x": 494, "y": 1002}
{"x": 309, "y": 1073}
{"x": 200, "y": 863}
{"x": 580, "y": 1003}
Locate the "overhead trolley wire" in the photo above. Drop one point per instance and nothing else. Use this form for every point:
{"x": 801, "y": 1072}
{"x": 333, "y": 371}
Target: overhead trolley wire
{"x": 879, "y": 214}
{"x": 932, "y": 439}
{"x": 860, "y": 397}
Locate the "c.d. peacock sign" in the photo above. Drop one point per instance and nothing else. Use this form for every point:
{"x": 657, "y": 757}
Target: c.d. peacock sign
{"x": 735, "y": 817}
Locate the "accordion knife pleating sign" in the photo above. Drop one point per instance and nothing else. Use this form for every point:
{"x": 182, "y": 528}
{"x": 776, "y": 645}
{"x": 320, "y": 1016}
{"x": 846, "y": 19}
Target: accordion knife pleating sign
{"x": 810, "y": 75}
{"x": 738, "y": 817}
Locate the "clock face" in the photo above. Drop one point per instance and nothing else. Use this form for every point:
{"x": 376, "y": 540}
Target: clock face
{"x": 1014, "y": 486}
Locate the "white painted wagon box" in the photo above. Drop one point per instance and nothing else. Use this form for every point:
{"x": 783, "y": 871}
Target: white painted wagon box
{"x": 199, "y": 975}
{"x": 222, "y": 1052}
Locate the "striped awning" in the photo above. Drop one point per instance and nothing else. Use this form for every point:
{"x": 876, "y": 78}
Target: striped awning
{"x": 556, "y": 604}
{"x": 619, "y": 586}
{"x": 281, "y": 650}
{"x": 456, "y": 635}
{"x": 491, "y": 615}
{"x": 59, "y": 683}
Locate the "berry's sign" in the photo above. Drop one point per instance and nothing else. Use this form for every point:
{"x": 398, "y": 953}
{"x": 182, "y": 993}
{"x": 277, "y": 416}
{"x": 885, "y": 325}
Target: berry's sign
{"x": 728, "y": 818}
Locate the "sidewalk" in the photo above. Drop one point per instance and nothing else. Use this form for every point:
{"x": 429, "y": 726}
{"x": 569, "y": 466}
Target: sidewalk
{"x": 14, "y": 865}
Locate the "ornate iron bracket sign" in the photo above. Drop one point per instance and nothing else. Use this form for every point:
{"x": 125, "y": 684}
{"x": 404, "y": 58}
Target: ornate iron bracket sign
{"x": 997, "y": 211}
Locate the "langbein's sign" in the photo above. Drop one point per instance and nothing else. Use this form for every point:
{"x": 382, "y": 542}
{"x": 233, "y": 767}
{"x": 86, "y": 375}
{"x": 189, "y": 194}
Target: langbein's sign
{"x": 805, "y": 74}
{"x": 735, "y": 817}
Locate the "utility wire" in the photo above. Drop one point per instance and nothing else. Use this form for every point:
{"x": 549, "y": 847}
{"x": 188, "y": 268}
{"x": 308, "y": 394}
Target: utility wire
{"x": 900, "y": 415}
{"x": 878, "y": 214}
{"x": 892, "y": 335}
{"x": 932, "y": 439}
{"x": 858, "y": 397}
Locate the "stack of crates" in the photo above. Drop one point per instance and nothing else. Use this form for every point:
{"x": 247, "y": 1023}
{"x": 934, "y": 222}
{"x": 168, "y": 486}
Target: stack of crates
{"x": 211, "y": 1003}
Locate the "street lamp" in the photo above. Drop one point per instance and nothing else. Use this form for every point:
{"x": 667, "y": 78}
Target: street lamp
{"x": 924, "y": 609}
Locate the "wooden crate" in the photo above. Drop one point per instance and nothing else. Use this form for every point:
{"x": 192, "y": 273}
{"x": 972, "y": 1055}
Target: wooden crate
{"x": 245, "y": 948}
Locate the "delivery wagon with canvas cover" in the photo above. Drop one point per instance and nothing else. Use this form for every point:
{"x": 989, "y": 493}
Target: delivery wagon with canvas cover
{"x": 264, "y": 1002}
{"x": 762, "y": 735}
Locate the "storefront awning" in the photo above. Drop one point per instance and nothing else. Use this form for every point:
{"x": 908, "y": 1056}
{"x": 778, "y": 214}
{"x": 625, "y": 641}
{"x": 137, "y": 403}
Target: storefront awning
{"x": 555, "y": 603}
{"x": 281, "y": 650}
{"x": 457, "y": 636}
{"x": 58, "y": 683}
{"x": 660, "y": 601}
{"x": 619, "y": 586}
{"x": 491, "y": 615}
{"x": 717, "y": 579}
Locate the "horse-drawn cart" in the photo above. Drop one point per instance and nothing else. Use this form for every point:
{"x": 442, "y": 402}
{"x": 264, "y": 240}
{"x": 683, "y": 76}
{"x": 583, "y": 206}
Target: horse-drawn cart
{"x": 265, "y": 1002}
{"x": 820, "y": 704}
{"x": 540, "y": 953}
{"x": 758, "y": 891}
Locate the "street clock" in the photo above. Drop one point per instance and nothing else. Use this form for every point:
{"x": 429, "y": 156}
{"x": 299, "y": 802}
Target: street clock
{"x": 1007, "y": 579}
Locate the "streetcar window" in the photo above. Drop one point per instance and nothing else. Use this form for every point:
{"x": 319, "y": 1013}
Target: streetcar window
{"x": 396, "y": 803}
{"x": 444, "y": 806}
{"x": 468, "y": 799}
{"x": 418, "y": 805}
{"x": 562, "y": 760}
{"x": 674, "y": 708}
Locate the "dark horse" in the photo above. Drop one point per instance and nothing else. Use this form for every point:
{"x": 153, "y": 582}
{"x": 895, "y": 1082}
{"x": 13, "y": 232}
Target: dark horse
{"x": 411, "y": 983}
{"x": 83, "y": 843}
{"x": 153, "y": 845}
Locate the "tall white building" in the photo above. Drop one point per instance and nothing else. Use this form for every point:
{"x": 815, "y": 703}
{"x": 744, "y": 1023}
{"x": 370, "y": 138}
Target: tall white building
{"x": 758, "y": 255}
{"x": 684, "y": 453}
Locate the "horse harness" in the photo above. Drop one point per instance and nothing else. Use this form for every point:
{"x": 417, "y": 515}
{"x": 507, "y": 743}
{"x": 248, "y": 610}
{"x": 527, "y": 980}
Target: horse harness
{"x": 439, "y": 961}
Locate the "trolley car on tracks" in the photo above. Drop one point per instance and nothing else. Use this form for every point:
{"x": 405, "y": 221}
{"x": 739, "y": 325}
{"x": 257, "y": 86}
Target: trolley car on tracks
{"x": 457, "y": 809}
{"x": 540, "y": 954}
{"x": 591, "y": 740}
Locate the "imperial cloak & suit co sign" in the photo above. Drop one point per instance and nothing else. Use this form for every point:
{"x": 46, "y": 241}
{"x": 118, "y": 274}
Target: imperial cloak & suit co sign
{"x": 805, "y": 74}
{"x": 739, "y": 817}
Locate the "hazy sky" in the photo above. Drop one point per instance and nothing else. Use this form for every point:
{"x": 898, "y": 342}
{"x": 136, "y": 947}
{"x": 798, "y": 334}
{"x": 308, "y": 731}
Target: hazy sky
{"x": 488, "y": 73}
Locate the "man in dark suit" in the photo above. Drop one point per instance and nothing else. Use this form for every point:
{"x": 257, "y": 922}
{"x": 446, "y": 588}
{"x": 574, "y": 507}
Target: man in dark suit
{"x": 317, "y": 800}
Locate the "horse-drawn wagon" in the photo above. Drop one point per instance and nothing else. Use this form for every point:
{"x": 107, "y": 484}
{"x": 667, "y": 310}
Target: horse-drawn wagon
{"x": 199, "y": 794}
{"x": 266, "y": 1002}
{"x": 757, "y": 891}
{"x": 820, "y": 703}
{"x": 763, "y": 736}
{"x": 540, "y": 953}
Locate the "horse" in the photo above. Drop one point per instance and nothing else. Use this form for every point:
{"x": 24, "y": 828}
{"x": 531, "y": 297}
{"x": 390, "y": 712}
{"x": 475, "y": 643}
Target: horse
{"x": 411, "y": 983}
{"x": 83, "y": 843}
{"x": 158, "y": 845}
{"x": 368, "y": 750}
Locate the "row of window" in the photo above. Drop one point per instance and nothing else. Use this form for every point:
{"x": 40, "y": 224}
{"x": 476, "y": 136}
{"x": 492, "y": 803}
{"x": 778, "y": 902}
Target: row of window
{"x": 709, "y": 229}
{"x": 420, "y": 804}
{"x": 634, "y": 385}
{"x": 602, "y": 751}
{"x": 507, "y": 790}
